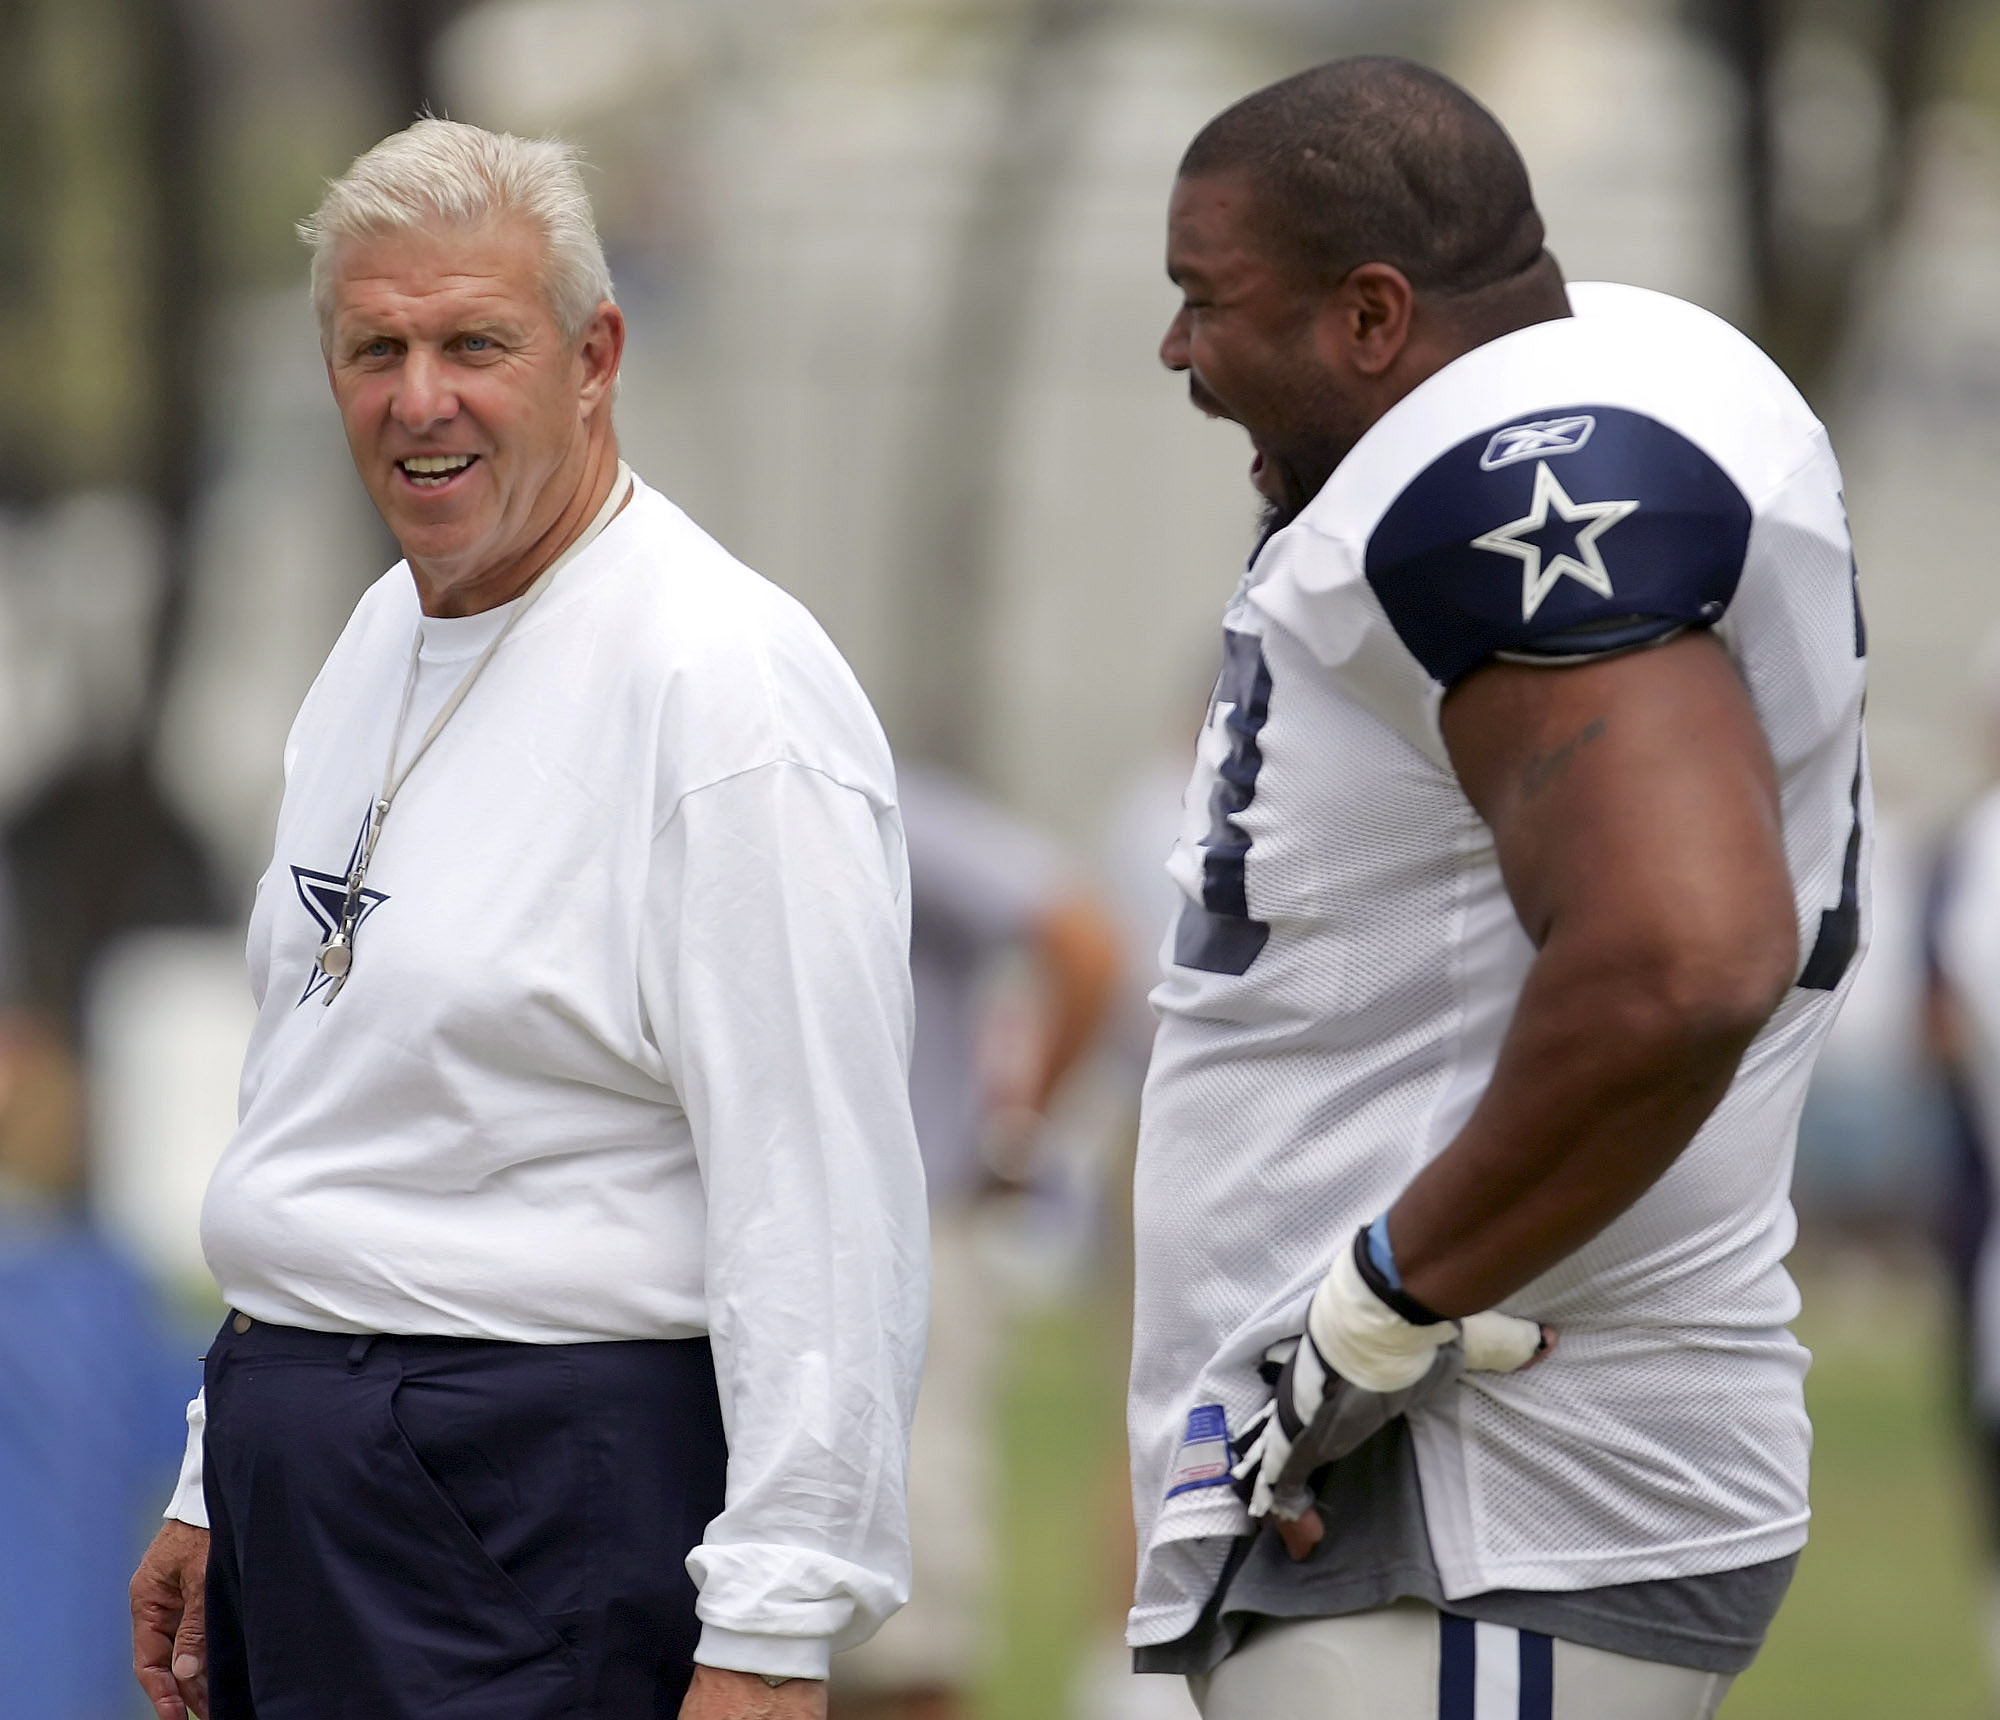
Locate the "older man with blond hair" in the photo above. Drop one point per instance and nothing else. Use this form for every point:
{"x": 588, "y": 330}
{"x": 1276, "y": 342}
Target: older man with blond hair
{"x": 573, "y": 1232}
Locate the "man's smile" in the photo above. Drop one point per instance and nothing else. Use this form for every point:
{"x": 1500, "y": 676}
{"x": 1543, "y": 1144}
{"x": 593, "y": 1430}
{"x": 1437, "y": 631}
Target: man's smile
{"x": 434, "y": 471}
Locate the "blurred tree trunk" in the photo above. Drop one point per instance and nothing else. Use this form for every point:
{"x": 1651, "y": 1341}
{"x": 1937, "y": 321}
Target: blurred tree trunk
{"x": 22, "y": 174}
{"x": 1804, "y": 290}
{"x": 98, "y": 851}
{"x": 408, "y": 31}
{"x": 177, "y": 317}
{"x": 957, "y": 450}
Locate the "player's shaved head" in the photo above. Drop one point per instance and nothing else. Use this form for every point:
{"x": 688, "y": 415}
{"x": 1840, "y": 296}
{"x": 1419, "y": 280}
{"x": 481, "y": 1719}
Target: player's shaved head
{"x": 1338, "y": 238}
{"x": 1379, "y": 160}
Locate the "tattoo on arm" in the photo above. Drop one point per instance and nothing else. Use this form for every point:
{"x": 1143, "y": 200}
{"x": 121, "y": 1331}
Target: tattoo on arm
{"x": 1544, "y": 768}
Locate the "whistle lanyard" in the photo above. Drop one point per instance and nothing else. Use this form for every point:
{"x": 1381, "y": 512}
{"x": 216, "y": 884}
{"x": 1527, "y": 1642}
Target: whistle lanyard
{"x": 336, "y": 955}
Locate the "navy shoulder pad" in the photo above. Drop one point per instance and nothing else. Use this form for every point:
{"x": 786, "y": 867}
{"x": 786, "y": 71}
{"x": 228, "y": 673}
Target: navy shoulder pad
{"x": 1583, "y": 533}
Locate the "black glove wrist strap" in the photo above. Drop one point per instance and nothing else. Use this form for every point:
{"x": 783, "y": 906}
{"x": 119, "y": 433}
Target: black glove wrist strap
{"x": 1398, "y": 1299}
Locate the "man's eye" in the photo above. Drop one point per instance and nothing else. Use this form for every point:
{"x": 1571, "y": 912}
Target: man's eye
{"x": 477, "y": 343}
{"x": 378, "y": 349}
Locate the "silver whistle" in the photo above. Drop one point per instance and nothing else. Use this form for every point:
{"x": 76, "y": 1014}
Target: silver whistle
{"x": 336, "y": 956}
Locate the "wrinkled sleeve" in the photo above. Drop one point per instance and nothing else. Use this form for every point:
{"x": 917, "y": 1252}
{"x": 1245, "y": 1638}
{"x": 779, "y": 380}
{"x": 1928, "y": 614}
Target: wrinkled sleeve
{"x": 777, "y": 984}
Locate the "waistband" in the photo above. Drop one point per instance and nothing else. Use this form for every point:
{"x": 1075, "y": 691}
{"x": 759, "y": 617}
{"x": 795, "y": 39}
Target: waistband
{"x": 241, "y": 1331}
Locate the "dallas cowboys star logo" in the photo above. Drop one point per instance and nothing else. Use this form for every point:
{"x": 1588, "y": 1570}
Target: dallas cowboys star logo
{"x": 1523, "y": 540}
{"x": 325, "y": 897}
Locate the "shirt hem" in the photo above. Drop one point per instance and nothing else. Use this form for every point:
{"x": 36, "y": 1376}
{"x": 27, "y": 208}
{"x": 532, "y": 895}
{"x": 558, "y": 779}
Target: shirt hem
{"x": 1567, "y": 1615}
{"x": 1200, "y": 1650}
{"x": 1671, "y": 1645}
{"x": 1161, "y": 1627}
{"x": 1546, "y": 1573}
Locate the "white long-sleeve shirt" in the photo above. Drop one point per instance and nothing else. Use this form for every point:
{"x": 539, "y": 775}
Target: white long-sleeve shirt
{"x": 624, "y": 1049}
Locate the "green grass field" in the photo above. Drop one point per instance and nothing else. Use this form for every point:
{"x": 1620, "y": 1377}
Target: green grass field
{"x": 1884, "y": 1616}
{"x": 1882, "y": 1621}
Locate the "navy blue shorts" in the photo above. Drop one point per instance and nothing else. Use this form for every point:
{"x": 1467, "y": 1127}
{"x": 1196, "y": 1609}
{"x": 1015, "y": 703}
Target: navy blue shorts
{"x": 455, "y": 1530}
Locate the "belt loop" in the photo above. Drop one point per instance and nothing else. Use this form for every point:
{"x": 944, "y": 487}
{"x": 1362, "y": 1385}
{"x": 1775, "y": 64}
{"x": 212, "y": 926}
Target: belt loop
{"x": 357, "y": 1352}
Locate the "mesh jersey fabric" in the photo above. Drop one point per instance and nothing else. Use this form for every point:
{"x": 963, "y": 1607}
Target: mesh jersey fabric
{"x": 1347, "y": 960}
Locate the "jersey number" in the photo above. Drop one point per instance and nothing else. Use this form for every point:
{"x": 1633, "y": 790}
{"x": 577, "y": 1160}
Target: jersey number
{"x": 1839, "y": 926}
{"x": 1217, "y": 933}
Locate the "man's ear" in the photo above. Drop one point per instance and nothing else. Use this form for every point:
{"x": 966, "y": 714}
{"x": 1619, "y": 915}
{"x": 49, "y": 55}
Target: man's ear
{"x": 1374, "y": 305}
{"x": 599, "y": 352}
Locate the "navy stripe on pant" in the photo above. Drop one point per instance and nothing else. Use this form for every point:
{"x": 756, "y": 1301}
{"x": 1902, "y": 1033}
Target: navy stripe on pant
{"x": 450, "y": 1529}
{"x": 1538, "y": 1675}
{"x": 1522, "y": 1690}
{"x": 1457, "y": 1667}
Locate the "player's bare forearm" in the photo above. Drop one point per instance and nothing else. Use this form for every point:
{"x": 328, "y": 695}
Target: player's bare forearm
{"x": 1598, "y": 1090}
{"x": 1635, "y": 810}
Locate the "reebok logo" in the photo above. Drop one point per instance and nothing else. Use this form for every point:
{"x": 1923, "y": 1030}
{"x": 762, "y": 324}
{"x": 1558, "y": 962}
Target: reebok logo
{"x": 1537, "y": 441}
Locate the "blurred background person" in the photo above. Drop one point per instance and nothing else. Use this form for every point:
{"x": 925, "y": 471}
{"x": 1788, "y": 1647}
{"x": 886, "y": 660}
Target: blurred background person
{"x": 1961, "y": 926}
{"x": 89, "y": 1370}
{"x": 1015, "y": 965}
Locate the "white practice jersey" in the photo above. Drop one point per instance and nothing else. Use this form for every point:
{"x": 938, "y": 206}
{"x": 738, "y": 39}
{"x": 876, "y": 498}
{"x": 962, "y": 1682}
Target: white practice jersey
{"x": 1346, "y": 959}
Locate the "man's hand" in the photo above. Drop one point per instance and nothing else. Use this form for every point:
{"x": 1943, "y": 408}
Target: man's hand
{"x": 719, "y": 1695}
{"x": 169, "y": 1634}
{"x": 1359, "y": 1364}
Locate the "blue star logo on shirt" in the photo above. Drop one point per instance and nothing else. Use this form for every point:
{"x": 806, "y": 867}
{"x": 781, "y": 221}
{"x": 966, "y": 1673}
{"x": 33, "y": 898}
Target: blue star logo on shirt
{"x": 1565, "y": 547}
{"x": 325, "y": 897}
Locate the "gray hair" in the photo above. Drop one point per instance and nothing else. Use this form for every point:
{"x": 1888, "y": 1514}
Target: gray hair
{"x": 439, "y": 173}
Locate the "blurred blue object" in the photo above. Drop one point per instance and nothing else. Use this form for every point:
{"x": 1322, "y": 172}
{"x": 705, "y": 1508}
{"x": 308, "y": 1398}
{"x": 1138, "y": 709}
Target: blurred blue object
{"x": 93, "y": 1387}
{"x": 1873, "y": 1147}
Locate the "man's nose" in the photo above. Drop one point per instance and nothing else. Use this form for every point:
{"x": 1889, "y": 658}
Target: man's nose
{"x": 424, "y": 394}
{"x": 1174, "y": 344}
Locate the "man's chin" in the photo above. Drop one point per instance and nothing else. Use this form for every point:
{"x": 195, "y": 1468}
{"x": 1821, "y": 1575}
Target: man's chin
{"x": 1277, "y": 514}
{"x": 1289, "y": 482}
{"x": 1284, "y": 500}
{"x": 433, "y": 542}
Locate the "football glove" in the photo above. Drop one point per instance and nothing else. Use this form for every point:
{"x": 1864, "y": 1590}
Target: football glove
{"x": 1358, "y": 1365}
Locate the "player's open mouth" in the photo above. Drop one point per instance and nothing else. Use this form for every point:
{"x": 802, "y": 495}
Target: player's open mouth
{"x": 435, "y": 471}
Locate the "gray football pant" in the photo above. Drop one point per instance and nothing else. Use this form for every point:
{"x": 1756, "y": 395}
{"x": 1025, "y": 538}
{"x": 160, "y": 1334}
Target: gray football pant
{"x": 1406, "y": 1662}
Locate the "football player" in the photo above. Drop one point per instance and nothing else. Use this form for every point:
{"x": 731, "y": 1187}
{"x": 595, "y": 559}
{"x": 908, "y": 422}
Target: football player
{"x": 1523, "y": 873}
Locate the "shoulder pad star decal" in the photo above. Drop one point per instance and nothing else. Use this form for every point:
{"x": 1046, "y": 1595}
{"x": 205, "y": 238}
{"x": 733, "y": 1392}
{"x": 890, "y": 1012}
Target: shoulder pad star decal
{"x": 1539, "y": 570}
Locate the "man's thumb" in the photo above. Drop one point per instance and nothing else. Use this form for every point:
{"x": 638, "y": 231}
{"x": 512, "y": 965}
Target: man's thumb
{"x": 191, "y": 1641}
{"x": 1499, "y": 1343}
